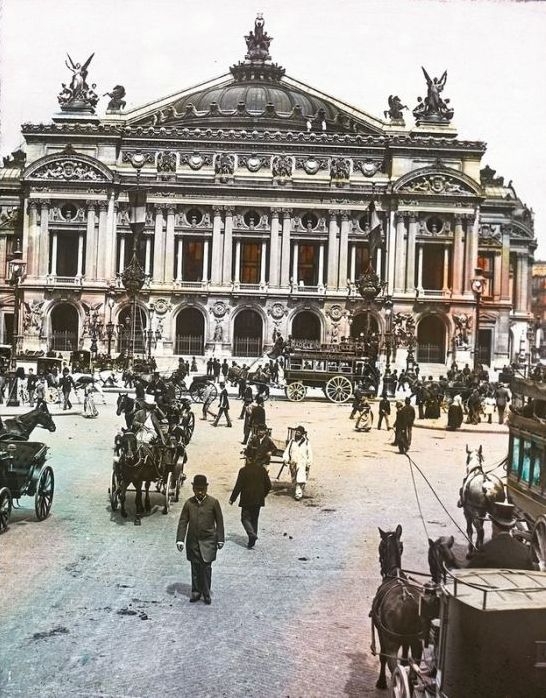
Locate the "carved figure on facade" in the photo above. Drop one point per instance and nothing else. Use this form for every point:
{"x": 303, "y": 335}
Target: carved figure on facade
{"x": 166, "y": 161}
{"x": 92, "y": 317}
{"x": 33, "y": 316}
{"x": 218, "y": 332}
{"x": 490, "y": 234}
{"x": 225, "y": 164}
{"x": 403, "y": 329}
{"x": 340, "y": 168}
{"x": 433, "y": 107}
{"x": 277, "y": 311}
{"x": 463, "y": 323}
{"x": 78, "y": 96}
{"x": 116, "y": 103}
{"x": 435, "y": 184}
{"x": 487, "y": 176}
{"x": 394, "y": 112}
{"x": 219, "y": 309}
{"x": 68, "y": 170}
{"x": 16, "y": 159}
{"x": 281, "y": 166}
{"x": 257, "y": 41}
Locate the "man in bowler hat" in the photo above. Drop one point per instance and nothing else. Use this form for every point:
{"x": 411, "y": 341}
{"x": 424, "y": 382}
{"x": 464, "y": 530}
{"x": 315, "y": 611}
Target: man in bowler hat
{"x": 201, "y": 519}
{"x": 253, "y": 484}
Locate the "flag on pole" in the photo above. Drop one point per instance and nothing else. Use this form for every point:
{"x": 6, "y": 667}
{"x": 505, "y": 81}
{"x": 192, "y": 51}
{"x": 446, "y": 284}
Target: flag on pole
{"x": 374, "y": 238}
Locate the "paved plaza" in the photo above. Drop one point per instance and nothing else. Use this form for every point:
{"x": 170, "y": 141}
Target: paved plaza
{"x": 94, "y": 606}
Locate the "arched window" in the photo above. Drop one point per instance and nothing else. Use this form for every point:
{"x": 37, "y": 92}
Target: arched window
{"x": 306, "y": 325}
{"x": 362, "y": 327}
{"x": 431, "y": 340}
{"x": 190, "y": 332}
{"x": 64, "y": 328}
{"x": 247, "y": 334}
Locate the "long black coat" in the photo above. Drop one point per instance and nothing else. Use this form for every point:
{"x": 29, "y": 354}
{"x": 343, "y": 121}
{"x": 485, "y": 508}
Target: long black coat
{"x": 204, "y": 524}
{"x": 504, "y": 552}
{"x": 253, "y": 484}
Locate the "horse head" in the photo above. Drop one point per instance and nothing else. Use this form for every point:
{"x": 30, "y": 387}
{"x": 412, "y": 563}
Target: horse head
{"x": 390, "y": 551}
{"x": 474, "y": 458}
{"x": 122, "y": 398}
{"x": 44, "y": 418}
{"x": 440, "y": 556}
{"x": 128, "y": 445}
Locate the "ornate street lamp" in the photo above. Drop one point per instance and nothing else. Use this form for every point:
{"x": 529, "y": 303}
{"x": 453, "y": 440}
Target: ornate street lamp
{"x": 478, "y": 287}
{"x": 16, "y": 275}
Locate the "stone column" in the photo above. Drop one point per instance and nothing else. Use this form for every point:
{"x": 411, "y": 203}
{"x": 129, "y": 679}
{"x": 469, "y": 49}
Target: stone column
{"x": 391, "y": 252}
{"x": 179, "y": 253}
{"x": 285, "y": 252}
{"x": 102, "y": 247}
{"x": 159, "y": 244}
{"x": 274, "y": 257}
{"x": 523, "y": 282}
{"x": 33, "y": 240}
{"x": 400, "y": 252}
{"x": 505, "y": 266}
{"x": 353, "y": 262}
{"x": 333, "y": 250}
{"x": 410, "y": 255}
{"x": 121, "y": 261}
{"x": 343, "y": 249}
{"x": 205, "y": 261}
{"x": 228, "y": 245}
{"x": 497, "y": 275}
{"x": 295, "y": 260}
{"x": 91, "y": 244}
{"x": 420, "y": 247}
{"x": 3, "y": 257}
{"x": 111, "y": 241}
{"x": 471, "y": 249}
{"x": 379, "y": 262}
{"x": 321, "y": 265}
{"x": 457, "y": 264}
{"x": 147, "y": 255}
{"x": 263, "y": 261}
{"x": 53, "y": 268}
{"x": 43, "y": 265}
{"x": 168, "y": 269}
{"x": 80, "y": 271}
{"x": 216, "y": 271}
{"x": 445, "y": 284}
{"x": 237, "y": 277}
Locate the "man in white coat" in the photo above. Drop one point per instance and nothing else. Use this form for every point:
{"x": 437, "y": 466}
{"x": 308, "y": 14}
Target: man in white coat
{"x": 298, "y": 456}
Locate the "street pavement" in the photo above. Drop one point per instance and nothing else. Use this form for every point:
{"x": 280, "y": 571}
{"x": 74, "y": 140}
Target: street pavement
{"x": 92, "y": 605}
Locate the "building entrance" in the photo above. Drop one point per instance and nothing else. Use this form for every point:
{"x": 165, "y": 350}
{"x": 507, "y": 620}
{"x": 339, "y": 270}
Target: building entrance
{"x": 64, "y": 328}
{"x": 190, "y": 332}
{"x": 247, "y": 334}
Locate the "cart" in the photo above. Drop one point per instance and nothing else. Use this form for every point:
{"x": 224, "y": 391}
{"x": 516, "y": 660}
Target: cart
{"x": 489, "y": 640}
{"x": 23, "y": 472}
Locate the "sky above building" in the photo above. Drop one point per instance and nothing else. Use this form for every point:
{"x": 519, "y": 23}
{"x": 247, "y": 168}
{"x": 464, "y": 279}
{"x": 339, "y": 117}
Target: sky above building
{"x": 359, "y": 51}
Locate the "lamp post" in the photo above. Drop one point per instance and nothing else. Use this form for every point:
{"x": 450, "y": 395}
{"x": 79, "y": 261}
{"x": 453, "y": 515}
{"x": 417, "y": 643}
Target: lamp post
{"x": 111, "y": 301}
{"x": 16, "y": 275}
{"x": 387, "y": 305}
{"x": 477, "y": 285}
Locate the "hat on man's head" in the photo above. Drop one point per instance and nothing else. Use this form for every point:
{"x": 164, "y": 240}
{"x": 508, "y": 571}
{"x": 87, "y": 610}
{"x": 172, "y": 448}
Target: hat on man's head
{"x": 503, "y": 514}
{"x": 300, "y": 428}
{"x": 199, "y": 481}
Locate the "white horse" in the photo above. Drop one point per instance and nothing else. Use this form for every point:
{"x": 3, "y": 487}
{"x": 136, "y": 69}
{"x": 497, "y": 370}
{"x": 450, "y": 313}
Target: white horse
{"x": 478, "y": 491}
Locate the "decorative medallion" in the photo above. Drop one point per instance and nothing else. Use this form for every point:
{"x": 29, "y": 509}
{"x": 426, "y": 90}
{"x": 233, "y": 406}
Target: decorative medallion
{"x": 219, "y": 309}
{"x": 336, "y": 312}
{"x": 277, "y": 311}
{"x": 161, "y": 306}
{"x": 253, "y": 163}
{"x": 368, "y": 167}
{"x": 311, "y": 165}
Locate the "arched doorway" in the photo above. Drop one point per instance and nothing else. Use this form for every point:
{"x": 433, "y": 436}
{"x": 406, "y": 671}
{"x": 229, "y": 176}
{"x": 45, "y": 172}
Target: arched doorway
{"x": 132, "y": 334}
{"x": 363, "y": 326}
{"x": 190, "y": 332}
{"x": 431, "y": 340}
{"x": 306, "y": 326}
{"x": 247, "y": 334}
{"x": 64, "y": 328}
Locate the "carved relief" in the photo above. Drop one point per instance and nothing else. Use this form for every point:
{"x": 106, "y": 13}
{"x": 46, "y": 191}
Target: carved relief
{"x": 340, "y": 168}
{"x": 253, "y": 163}
{"x": 278, "y": 311}
{"x": 69, "y": 170}
{"x": 282, "y": 166}
{"x": 311, "y": 165}
{"x": 219, "y": 309}
{"x": 224, "y": 164}
{"x": 368, "y": 167}
{"x": 195, "y": 160}
{"x": 128, "y": 155}
{"x": 436, "y": 184}
{"x": 166, "y": 161}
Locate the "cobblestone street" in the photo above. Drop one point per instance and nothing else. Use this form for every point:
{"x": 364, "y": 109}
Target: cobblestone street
{"x": 93, "y": 606}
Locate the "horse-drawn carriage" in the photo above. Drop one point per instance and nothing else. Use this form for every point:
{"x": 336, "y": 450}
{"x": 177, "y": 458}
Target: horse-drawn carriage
{"x": 335, "y": 368}
{"x": 23, "y": 472}
{"x": 255, "y": 374}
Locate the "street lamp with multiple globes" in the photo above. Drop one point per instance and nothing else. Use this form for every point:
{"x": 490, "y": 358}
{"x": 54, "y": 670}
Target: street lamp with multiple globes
{"x": 370, "y": 286}
{"x": 16, "y": 275}
{"x": 478, "y": 287}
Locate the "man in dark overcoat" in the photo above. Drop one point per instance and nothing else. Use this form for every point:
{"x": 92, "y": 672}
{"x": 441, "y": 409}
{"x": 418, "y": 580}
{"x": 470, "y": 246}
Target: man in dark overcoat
{"x": 201, "y": 526}
{"x": 260, "y": 447}
{"x": 223, "y": 406}
{"x": 253, "y": 486}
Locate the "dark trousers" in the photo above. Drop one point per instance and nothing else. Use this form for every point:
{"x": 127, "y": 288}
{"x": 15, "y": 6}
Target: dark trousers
{"x": 249, "y": 519}
{"x": 501, "y": 409}
{"x": 66, "y": 400}
{"x": 383, "y": 416}
{"x": 221, "y": 411}
{"x": 420, "y": 407}
{"x": 201, "y": 577}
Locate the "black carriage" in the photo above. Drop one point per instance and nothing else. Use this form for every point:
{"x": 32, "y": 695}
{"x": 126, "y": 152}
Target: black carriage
{"x": 202, "y": 388}
{"x": 335, "y": 368}
{"x": 259, "y": 377}
{"x": 80, "y": 361}
{"x": 23, "y": 472}
{"x": 488, "y": 641}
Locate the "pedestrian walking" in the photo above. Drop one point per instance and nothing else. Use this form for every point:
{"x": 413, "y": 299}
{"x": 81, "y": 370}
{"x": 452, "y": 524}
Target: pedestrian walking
{"x": 502, "y": 398}
{"x": 488, "y": 407}
{"x": 474, "y": 408}
{"x": 223, "y": 406}
{"x": 66, "y": 383}
{"x": 252, "y": 486}
{"x": 201, "y": 529}
{"x": 208, "y": 399}
{"x": 298, "y": 456}
{"x": 210, "y": 368}
{"x": 193, "y": 368}
{"x": 260, "y": 447}
{"x": 89, "y": 408}
{"x": 408, "y": 412}
{"x": 455, "y": 414}
{"x": 258, "y": 413}
{"x": 384, "y": 411}
{"x": 364, "y": 421}
{"x": 358, "y": 394}
{"x": 32, "y": 379}
{"x": 40, "y": 390}
{"x": 247, "y": 398}
{"x": 248, "y": 408}
{"x": 225, "y": 369}
{"x": 217, "y": 368}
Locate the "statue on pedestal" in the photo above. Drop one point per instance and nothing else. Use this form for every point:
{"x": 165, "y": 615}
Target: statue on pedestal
{"x": 394, "y": 112}
{"x": 257, "y": 41}
{"x": 433, "y": 107}
{"x": 78, "y": 96}
{"x": 116, "y": 102}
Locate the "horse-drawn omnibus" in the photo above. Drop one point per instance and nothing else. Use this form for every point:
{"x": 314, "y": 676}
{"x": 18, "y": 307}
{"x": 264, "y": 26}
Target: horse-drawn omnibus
{"x": 526, "y": 467}
{"x": 335, "y": 368}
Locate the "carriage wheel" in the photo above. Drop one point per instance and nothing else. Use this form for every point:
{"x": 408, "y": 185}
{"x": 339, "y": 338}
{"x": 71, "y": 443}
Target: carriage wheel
{"x": 114, "y": 487}
{"x": 43, "y": 498}
{"x": 168, "y": 494}
{"x": 5, "y": 508}
{"x": 180, "y": 391}
{"x": 538, "y": 542}
{"x": 295, "y": 392}
{"x": 190, "y": 426}
{"x": 400, "y": 687}
{"x": 338, "y": 389}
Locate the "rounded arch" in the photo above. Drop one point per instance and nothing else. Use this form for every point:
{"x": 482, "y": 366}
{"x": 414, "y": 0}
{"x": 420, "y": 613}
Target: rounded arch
{"x": 447, "y": 180}
{"x": 132, "y": 324}
{"x": 306, "y": 324}
{"x": 189, "y": 331}
{"x": 431, "y": 340}
{"x": 248, "y": 328}
{"x": 65, "y": 327}
{"x": 71, "y": 165}
{"x": 364, "y": 324}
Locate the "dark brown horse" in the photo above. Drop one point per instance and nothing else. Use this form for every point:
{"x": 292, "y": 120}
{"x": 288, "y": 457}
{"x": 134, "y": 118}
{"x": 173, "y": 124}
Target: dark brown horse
{"x": 20, "y": 428}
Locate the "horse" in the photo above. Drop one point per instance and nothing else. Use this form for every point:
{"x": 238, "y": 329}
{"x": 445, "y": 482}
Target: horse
{"x": 126, "y": 405}
{"x": 440, "y": 558}
{"x": 401, "y": 610}
{"x": 20, "y": 428}
{"x": 478, "y": 491}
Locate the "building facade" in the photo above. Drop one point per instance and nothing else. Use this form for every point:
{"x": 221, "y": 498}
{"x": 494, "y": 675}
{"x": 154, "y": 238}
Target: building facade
{"x": 263, "y": 196}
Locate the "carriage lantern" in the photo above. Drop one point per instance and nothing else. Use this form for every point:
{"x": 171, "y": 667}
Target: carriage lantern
{"x": 16, "y": 275}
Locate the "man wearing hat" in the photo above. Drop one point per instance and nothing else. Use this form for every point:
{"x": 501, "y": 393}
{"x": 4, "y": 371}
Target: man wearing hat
{"x": 298, "y": 456}
{"x": 253, "y": 484}
{"x": 260, "y": 447}
{"x": 201, "y": 519}
{"x": 223, "y": 406}
{"x": 502, "y": 551}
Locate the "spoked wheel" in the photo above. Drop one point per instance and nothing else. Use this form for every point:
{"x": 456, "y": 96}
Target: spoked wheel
{"x": 114, "y": 491}
{"x": 43, "y": 498}
{"x": 5, "y": 508}
{"x": 338, "y": 389}
{"x": 190, "y": 425}
{"x": 180, "y": 391}
{"x": 168, "y": 493}
{"x": 295, "y": 392}
{"x": 400, "y": 687}
{"x": 538, "y": 542}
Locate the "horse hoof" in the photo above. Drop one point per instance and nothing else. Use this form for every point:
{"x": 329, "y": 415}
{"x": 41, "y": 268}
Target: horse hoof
{"x": 165, "y": 511}
{"x": 381, "y": 684}
{"x": 138, "y": 522}
{"x": 124, "y": 514}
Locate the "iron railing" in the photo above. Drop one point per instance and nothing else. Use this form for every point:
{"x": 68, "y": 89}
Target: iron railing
{"x": 430, "y": 353}
{"x": 247, "y": 346}
{"x": 63, "y": 341}
{"x": 192, "y": 345}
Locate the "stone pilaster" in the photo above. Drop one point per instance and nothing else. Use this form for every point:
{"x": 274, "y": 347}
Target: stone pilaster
{"x": 285, "y": 252}
{"x": 274, "y": 256}
{"x": 102, "y": 247}
{"x": 410, "y": 254}
{"x": 333, "y": 250}
{"x": 43, "y": 258}
{"x": 344, "y": 249}
{"x": 505, "y": 266}
{"x": 111, "y": 234}
{"x": 217, "y": 254}
{"x": 400, "y": 254}
{"x": 91, "y": 243}
{"x": 159, "y": 244}
{"x": 31, "y": 239}
{"x": 457, "y": 266}
{"x": 228, "y": 246}
{"x": 168, "y": 272}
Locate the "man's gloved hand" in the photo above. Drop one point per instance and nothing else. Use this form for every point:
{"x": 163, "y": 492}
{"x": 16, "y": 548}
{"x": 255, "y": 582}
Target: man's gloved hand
{"x": 220, "y": 546}
{"x": 180, "y": 546}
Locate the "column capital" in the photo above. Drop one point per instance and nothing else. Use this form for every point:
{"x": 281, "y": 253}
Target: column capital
{"x": 171, "y": 209}
{"x": 346, "y": 215}
{"x": 43, "y": 203}
{"x": 334, "y": 212}
{"x": 229, "y": 210}
{"x": 32, "y": 205}
{"x": 103, "y": 206}
{"x": 412, "y": 217}
{"x": 287, "y": 213}
{"x": 458, "y": 218}
{"x": 399, "y": 217}
{"x": 158, "y": 207}
{"x": 91, "y": 204}
{"x": 217, "y": 210}
{"x": 275, "y": 212}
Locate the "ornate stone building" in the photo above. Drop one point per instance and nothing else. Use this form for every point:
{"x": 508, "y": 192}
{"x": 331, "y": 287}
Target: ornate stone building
{"x": 263, "y": 195}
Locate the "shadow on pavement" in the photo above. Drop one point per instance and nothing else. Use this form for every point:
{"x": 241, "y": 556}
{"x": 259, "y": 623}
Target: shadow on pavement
{"x": 179, "y": 589}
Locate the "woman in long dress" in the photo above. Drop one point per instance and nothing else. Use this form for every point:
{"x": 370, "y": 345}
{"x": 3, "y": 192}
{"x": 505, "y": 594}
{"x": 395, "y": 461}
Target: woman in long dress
{"x": 455, "y": 414}
{"x": 89, "y": 408}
